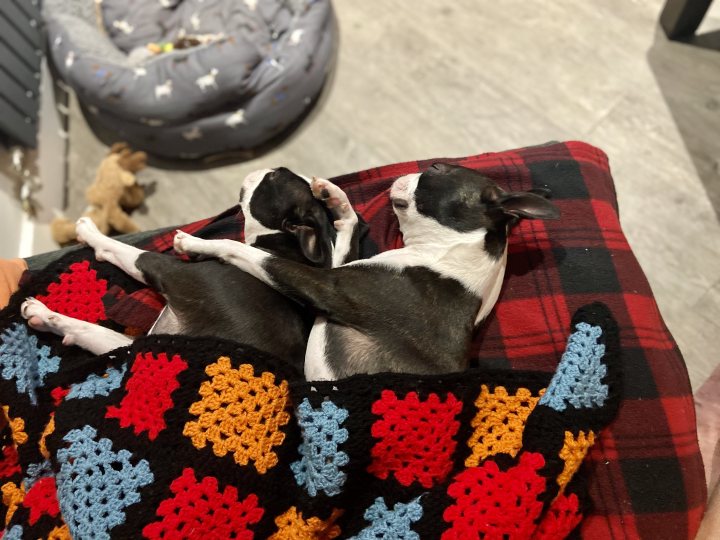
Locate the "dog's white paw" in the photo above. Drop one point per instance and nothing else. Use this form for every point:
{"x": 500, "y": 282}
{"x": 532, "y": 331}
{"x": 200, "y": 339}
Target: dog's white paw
{"x": 88, "y": 234}
{"x": 185, "y": 243}
{"x": 179, "y": 241}
{"x": 38, "y": 315}
{"x": 336, "y": 201}
{"x": 86, "y": 230}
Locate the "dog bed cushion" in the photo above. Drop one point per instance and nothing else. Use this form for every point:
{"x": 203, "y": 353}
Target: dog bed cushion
{"x": 262, "y": 65}
{"x": 644, "y": 472}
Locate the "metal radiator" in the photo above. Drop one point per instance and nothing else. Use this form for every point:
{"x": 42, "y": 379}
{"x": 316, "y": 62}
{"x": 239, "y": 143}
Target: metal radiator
{"x": 21, "y": 51}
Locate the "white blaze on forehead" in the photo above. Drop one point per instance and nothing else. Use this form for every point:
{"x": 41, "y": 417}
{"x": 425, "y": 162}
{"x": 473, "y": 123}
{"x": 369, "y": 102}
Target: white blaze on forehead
{"x": 253, "y": 228}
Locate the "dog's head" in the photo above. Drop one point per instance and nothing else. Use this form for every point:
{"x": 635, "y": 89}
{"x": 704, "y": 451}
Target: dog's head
{"x": 282, "y": 216}
{"x": 448, "y": 203}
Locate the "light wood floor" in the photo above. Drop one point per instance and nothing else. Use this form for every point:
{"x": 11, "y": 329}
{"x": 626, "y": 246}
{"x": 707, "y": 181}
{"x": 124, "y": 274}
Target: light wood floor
{"x": 426, "y": 79}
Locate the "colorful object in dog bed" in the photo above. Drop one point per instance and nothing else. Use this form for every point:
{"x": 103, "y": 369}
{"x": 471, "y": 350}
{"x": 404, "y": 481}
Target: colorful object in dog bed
{"x": 195, "y": 436}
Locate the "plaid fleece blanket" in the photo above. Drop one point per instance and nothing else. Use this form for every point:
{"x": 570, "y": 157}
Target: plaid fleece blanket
{"x": 644, "y": 472}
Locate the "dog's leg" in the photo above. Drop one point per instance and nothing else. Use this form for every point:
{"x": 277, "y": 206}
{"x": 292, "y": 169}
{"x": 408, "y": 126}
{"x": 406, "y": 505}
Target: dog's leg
{"x": 346, "y": 220}
{"x": 91, "y": 337}
{"x": 107, "y": 249}
{"x": 337, "y": 290}
{"x": 245, "y": 257}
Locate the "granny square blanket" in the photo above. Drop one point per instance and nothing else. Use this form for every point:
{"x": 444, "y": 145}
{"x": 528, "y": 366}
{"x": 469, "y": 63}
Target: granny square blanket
{"x": 175, "y": 437}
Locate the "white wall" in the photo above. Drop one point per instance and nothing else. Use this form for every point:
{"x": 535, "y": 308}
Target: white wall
{"x": 11, "y": 216}
{"x": 20, "y": 236}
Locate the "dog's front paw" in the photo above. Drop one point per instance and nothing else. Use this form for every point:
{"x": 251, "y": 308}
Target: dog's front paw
{"x": 336, "y": 201}
{"x": 38, "y": 315}
{"x": 86, "y": 230}
{"x": 185, "y": 243}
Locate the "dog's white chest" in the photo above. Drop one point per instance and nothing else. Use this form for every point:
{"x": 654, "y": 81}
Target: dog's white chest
{"x": 316, "y": 366}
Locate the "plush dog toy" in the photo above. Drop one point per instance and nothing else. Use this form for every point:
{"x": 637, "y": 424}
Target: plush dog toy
{"x": 114, "y": 191}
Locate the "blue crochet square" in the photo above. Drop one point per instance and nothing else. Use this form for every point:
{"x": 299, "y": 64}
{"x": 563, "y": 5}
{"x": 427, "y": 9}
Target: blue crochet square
{"x": 24, "y": 361}
{"x": 15, "y": 533}
{"x": 95, "y": 484}
{"x": 96, "y": 385}
{"x": 578, "y": 379}
{"x": 319, "y": 468}
{"x": 395, "y": 523}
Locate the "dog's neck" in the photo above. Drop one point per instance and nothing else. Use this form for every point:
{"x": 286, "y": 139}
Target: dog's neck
{"x": 429, "y": 233}
{"x": 460, "y": 256}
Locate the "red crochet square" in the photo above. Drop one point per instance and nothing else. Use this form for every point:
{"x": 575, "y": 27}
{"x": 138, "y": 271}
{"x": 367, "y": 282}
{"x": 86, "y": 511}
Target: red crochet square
{"x": 42, "y": 499}
{"x": 416, "y": 437}
{"x": 200, "y": 510}
{"x": 9, "y": 462}
{"x": 561, "y": 518}
{"x": 79, "y": 294}
{"x": 491, "y": 503}
{"x": 149, "y": 392}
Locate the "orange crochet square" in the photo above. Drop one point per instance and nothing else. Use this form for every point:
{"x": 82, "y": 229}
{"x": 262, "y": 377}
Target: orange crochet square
{"x": 240, "y": 414}
{"x": 292, "y": 526}
{"x": 60, "y": 533}
{"x": 572, "y": 453}
{"x": 499, "y": 422}
{"x": 12, "y": 497}
{"x": 17, "y": 426}
{"x": 49, "y": 430}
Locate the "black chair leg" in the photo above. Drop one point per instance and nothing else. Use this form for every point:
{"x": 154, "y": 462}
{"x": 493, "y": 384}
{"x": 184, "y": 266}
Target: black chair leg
{"x": 680, "y": 18}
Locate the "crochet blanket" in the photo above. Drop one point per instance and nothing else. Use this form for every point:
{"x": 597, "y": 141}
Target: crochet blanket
{"x": 177, "y": 437}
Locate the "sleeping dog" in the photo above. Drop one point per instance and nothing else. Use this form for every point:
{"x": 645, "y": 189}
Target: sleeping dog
{"x": 413, "y": 309}
{"x": 284, "y": 215}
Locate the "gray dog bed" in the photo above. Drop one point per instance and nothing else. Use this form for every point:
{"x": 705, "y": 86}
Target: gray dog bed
{"x": 258, "y": 67}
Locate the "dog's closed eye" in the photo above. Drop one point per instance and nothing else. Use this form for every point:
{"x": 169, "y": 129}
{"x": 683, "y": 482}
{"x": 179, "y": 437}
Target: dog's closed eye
{"x": 400, "y": 204}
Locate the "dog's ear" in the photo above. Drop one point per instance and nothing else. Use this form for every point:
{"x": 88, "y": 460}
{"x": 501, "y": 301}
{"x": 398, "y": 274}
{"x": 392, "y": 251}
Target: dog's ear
{"x": 313, "y": 241}
{"x": 526, "y": 204}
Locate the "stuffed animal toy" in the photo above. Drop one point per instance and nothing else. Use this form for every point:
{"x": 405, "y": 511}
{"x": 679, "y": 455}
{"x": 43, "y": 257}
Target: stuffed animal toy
{"x": 114, "y": 191}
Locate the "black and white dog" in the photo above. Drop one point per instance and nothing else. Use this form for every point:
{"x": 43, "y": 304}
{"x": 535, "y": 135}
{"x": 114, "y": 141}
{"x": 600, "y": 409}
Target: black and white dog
{"x": 287, "y": 215}
{"x": 410, "y": 310}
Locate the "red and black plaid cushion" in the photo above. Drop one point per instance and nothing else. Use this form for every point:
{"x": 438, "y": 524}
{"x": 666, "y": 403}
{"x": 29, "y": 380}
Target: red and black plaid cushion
{"x": 646, "y": 471}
